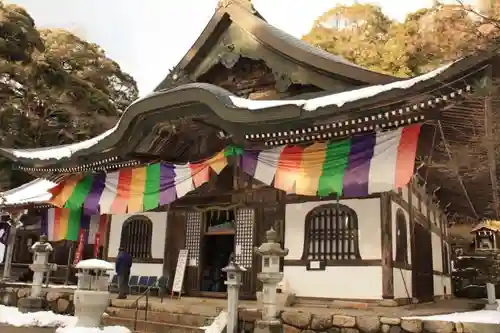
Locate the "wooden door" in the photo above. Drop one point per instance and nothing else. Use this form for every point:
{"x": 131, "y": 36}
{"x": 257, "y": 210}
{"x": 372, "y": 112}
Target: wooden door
{"x": 422, "y": 274}
{"x": 175, "y": 241}
{"x": 270, "y": 216}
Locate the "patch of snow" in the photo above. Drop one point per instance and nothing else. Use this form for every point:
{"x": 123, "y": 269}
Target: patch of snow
{"x": 32, "y": 192}
{"x": 47, "y": 246}
{"x": 59, "y": 152}
{"x": 65, "y": 324}
{"x": 338, "y": 99}
{"x": 251, "y": 104}
{"x": 106, "y": 329}
{"x": 481, "y": 316}
{"x": 218, "y": 325}
{"x": 367, "y": 92}
{"x": 55, "y": 286}
{"x": 95, "y": 264}
{"x": 312, "y": 104}
{"x": 12, "y": 316}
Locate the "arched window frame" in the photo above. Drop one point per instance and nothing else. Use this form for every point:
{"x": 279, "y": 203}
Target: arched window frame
{"x": 401, "y": 237}
{"x": 335, "y": 250}
{"x": 136, "y": 237}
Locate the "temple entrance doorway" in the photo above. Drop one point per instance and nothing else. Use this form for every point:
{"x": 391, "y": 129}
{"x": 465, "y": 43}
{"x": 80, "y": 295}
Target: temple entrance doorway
{"x": 217, "y": 245}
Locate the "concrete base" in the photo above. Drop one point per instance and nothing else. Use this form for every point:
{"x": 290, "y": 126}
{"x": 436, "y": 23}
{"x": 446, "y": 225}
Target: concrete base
{"x": 493, "y": 306}
{"x": 31, "y": 304}
{"x": 265, "y": 326}
{"x": 90, "y": 306}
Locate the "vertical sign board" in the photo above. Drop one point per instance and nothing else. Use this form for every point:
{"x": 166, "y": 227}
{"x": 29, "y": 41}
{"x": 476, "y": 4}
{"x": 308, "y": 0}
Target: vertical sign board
{"x": 97, "y": 244}
{"x": 79, "y": 249}
{"x": 180, "y": 270}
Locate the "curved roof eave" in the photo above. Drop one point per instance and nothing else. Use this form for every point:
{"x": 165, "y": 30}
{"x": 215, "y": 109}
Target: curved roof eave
{"x": 34, "y": 192}
{"x": 281, "y": 42}
{"x": 242, "y": 114}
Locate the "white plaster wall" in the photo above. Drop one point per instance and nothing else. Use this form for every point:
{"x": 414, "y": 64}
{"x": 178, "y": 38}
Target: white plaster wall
{"x": 414, "y": 201}
{"x": 447, "y": 283}
{"x": 437, "y": 255}
{"x": 331, "y": 283}
{"x": 147, "y": 269}
{"x": 159, "y": 220}
{"x": 402, "y": 283}
{"x": 440, "y": 282}
{"x": 335, "y": 282}
{"x": 368, "y": 211}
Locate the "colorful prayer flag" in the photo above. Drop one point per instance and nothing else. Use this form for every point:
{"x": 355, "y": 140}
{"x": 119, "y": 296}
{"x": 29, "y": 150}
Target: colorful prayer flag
{"x": 354, "y": 167}
{"x": 61, "y": 223}
{"x": 133, "y": 190}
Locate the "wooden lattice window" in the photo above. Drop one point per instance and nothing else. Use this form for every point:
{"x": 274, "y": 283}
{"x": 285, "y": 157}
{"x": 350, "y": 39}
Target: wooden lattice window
{"x": 136, "y": 236}
{"x": 401, "y": 238}
{"x": 193, "y": 231}
{"x": 331, "y": 233}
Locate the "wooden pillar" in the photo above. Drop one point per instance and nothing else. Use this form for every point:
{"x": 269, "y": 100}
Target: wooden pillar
{"x": 386, "y": 245}
{"x": 411, "y": 217}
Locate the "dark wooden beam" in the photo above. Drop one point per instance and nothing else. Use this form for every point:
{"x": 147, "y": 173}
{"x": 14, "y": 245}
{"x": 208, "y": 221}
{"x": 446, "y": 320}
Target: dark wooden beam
{"x": 490, "y": 142}
{"x": 386, "y": 245}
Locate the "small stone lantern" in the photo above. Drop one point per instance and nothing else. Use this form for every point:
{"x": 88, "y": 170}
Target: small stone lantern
{"x": 233, "y": 283}
{"x": 270, "y": 276}
{"x": 92, "y": 294}
{"x": 41, "y": 251}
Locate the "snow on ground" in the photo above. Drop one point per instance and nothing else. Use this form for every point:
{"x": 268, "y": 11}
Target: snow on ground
{"x": 65, "y": 324}
{"x": 218, "y": 324}
{"x": 55, "y": 286}
{"x": 11, "y": 316}
{"x": 481, "y": 316}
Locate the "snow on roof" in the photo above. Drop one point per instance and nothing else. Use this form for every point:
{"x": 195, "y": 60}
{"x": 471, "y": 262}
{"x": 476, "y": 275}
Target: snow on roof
{"x": 59, "y": 152}
{"x": 95, "y": 264}
{"x": 338, "y": 99}
{"x": 36, "y": 191}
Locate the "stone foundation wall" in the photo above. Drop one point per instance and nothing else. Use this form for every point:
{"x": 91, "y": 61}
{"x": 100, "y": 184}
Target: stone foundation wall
{"x": 305, "y": 322}
{"x": 55, "y": 301}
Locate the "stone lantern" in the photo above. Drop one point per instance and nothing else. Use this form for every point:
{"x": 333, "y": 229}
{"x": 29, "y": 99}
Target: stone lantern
{"x": 41, "y": 251}
{"x": 271, "y": 253}
{"x": 92, "y": 294}
{"x": 233, "y": 283}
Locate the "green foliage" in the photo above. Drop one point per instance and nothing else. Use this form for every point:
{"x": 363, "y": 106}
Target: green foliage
{"x": 427, "y": 38}
{"x": 55, "y": 88}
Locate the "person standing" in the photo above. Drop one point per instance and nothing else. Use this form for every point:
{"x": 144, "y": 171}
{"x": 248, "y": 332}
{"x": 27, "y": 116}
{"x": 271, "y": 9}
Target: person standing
{"x": 122, "y": 266}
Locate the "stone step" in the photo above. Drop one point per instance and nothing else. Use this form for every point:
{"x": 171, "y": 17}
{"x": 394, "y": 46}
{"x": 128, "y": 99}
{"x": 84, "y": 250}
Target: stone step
{"x": 195, "y": 308}
{"x": 162, "y": 316}
{"x": 150, "y": 326}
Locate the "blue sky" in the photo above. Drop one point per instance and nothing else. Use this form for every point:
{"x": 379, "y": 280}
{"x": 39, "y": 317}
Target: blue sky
{"x": 149, "y": 37}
